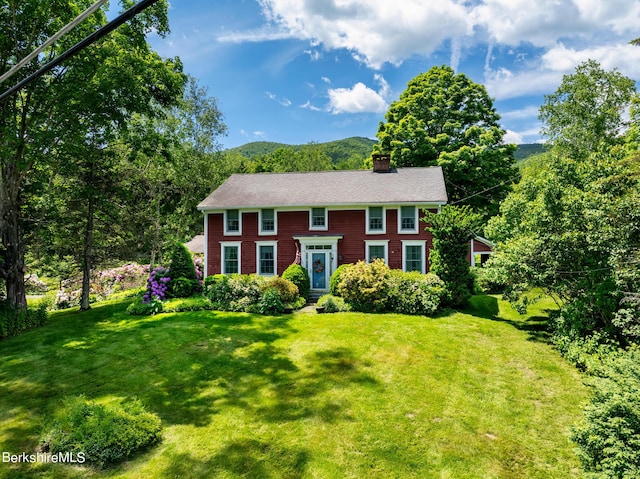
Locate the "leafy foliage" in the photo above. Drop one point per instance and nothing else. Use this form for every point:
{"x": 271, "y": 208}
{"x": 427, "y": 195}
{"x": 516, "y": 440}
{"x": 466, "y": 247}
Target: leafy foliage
{"x": 14, "y": 321}
{"x": 572, "y": 226}
{"x": 415, "y": 293}
{"x": 444, "y": 119}
{"x": 105, "y": 434}
{"x": 452, "y": 229}
{"x": 287, "y": 291}
{"x": 365, "y": 286}
{"x": 270, "y": 302}
{"x": 335, "y": 278}
{"x": 596, "y": 98}
{"x": 609, "y": 436}
{"x": 373, "y": 287}
{"x": 142, "y": 307}
{"x": 299, "y": 276}
{"x": 333, "y": 304}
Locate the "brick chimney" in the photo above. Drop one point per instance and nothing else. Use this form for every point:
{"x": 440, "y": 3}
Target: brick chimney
{"x": 381, "y": 162}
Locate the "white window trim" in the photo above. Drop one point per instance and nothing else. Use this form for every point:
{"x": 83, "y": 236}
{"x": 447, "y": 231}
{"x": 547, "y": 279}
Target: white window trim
{"x": 261, "y": 232}
{"x": 415, "y": 230}
{"x": 423, "y": 248}
{"x": 225, "y": 244}
{"x": 275, "y": 257}
{"x": 384, "y": 243}
{"x": 232, "y": 233}
{"x": 384, "y": 222}
{"x": 326, "y": 220}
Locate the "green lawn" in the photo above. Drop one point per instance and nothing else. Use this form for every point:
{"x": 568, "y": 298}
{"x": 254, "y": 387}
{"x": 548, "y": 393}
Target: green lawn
{"x": 465, "y": 395}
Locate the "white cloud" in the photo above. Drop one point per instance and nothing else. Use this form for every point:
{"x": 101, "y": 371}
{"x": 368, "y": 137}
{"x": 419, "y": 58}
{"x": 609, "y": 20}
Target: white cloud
{"x": 512, "y": 137}
{"x": 522, "y": 113}
{"x": 282, "y": 101}
{"x": 375, "y": 32}
{"x": 358, "y": 99}
{"x": 309, "y": 106}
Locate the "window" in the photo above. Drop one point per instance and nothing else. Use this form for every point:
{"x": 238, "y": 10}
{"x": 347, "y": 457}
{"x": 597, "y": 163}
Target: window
{"x": 375, "y": 220}
{"x": 318, "y": 219}
{"x": 230, "y": 258}
{"x": 408, "y": 219}
{"x": 232, "y": 222}
{"x": 413, "y": 256}
{"x": 376, "y": 249}
{"x": 267, "y": 221}
{"x": 266, "y": 258}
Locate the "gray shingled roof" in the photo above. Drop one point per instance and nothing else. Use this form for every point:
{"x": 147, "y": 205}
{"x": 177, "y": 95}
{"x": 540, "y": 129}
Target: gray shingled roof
{"x": 329, "y": 188}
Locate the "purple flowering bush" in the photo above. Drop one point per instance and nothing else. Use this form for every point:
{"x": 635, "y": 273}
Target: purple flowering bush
{"x": 157, "y": 285}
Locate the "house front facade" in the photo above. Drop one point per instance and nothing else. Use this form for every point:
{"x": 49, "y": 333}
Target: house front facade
{"x": 261, "y": 223}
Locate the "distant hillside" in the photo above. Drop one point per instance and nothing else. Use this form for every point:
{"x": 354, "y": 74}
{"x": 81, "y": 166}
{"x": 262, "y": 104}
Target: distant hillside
{"x": 343, "y": 149}
{"x": 526, "y": 150}
{"x": 337, "y": 150}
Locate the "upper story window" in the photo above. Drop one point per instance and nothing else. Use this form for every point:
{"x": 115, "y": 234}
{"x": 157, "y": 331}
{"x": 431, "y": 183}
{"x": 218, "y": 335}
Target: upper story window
{"x": 408, "y": 219}
{"x": 232, "y": 222}
{"x": 268, "y": 221}
{"x": 375, "y": 220}
{"x": 318, "y": 219}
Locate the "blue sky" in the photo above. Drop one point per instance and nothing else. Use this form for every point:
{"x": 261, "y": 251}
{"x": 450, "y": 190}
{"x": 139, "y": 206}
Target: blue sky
{"x": 300, "y": 71}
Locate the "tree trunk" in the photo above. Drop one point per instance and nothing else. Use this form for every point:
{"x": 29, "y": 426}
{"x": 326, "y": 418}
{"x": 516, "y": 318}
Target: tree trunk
{"x": 12, "y": 266}
{"x": 87, "y": 253}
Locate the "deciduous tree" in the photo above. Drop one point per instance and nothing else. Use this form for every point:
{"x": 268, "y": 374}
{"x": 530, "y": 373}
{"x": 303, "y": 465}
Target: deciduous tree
{"x": 445, "y": 119}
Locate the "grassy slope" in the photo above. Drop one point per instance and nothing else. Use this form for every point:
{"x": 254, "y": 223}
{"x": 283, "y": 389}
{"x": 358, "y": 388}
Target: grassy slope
{"x": 466, "y": 395}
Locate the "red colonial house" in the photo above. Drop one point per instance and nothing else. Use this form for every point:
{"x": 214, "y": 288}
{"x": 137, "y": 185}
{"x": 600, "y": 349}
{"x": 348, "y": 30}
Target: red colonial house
{"x": 260, "y": 223}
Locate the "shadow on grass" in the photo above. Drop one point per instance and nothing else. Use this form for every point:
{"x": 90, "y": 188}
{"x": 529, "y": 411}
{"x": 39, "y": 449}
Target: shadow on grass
{"x": 486, "y": 306}
{"x": 244, "y": 458}
{"x": 185, "y": 367}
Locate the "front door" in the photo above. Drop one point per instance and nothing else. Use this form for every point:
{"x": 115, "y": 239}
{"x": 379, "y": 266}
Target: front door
{"x": 319, "y": 270}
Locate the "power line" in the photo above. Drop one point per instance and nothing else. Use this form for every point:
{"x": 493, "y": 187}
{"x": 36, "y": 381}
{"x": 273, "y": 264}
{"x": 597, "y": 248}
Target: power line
{"x": 105, "y": 30}
{"x": 79, "y": 19}
{"x": 484, "y": 191}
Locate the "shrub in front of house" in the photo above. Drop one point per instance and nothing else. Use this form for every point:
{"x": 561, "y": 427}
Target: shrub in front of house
{"x": 332, "y": 304}
{"x": 365, "y": 286}
{"x": 103, "y": 434}
{"x": 300, "y": 277}
{"x": 141, "y": 307}
{"x": 335, "y": 278}
{"x": 183, "y": 273}
{"x": 415, "y": 293}
{"x": 374, "y": 287}
{"x": 251, "y": 293}
{"x": 287, "y": 291}
{"x": 270, "y": 302}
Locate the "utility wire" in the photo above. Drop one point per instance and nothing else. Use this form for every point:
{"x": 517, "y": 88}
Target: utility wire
{"x": 484, "y": 191}
{"x": 105, "y": 30}
{"x": 79, "y": 19}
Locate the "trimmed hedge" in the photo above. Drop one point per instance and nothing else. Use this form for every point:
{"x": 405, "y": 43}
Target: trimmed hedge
{"x": 103, "y": 434}
{"x": 15, "y": 321}
{"x": 300, "y": 277}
